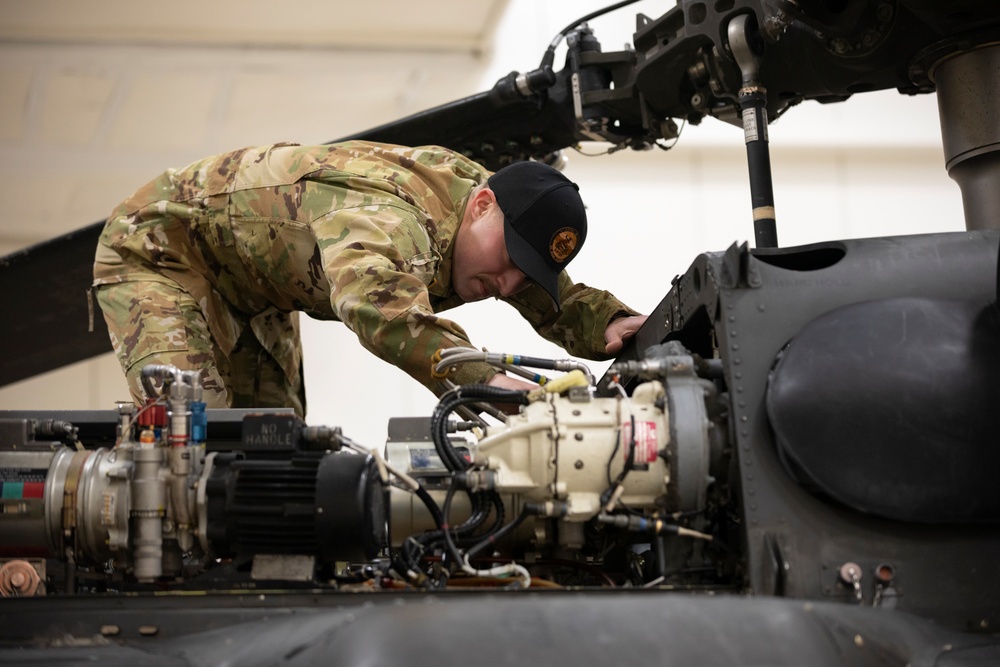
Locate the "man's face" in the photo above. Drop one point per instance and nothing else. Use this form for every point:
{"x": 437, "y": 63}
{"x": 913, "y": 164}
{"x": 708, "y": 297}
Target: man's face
{"x": 481, "y": 267}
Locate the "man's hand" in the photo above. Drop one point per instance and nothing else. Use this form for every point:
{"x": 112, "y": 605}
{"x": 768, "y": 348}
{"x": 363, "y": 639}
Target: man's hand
{"x": 621, "y": 330}
{"x": 507, "y": 382}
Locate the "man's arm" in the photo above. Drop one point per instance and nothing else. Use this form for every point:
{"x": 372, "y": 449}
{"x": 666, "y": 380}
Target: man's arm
{"x": 591, "y": 323}
{"x": 379, "y": 262}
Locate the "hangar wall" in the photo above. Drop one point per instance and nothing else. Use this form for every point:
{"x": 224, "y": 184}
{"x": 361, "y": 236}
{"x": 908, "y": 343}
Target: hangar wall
{"x": 85, "y": 121}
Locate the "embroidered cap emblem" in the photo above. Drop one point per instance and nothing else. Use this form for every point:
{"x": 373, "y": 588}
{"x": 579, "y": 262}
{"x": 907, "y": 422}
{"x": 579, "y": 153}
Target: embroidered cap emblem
{"x": 563, "y": 244}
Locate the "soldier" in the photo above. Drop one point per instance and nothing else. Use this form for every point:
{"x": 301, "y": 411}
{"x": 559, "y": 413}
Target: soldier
{"x": 207, "y": 267}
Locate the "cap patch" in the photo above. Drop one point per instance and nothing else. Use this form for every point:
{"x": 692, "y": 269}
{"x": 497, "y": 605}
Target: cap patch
{"x": 563, "y": 244}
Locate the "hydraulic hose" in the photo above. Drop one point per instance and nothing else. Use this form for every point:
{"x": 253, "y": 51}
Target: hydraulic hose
{"x": 462, "y": 396}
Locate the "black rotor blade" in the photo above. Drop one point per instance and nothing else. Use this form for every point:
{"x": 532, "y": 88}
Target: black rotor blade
{"x": 43, "y": 300}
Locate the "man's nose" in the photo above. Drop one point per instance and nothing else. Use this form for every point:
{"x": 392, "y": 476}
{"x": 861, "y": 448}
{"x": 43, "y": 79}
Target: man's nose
{"x": 511, "y": 282}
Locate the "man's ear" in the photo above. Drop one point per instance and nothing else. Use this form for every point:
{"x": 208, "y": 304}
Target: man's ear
{"x": 482, "y": 201}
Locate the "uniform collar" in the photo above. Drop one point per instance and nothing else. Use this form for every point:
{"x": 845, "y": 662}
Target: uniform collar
{"x": 445, "y": 233}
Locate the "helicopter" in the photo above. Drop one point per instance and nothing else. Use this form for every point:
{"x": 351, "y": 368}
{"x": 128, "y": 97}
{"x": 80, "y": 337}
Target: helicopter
{"x": 800, "y": 439}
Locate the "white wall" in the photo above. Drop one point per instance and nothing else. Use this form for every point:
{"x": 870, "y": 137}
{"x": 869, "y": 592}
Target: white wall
{"x": 870, "y": 166}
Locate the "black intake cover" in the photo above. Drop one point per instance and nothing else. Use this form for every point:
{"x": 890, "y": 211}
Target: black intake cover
{"x": 892, "y": 407}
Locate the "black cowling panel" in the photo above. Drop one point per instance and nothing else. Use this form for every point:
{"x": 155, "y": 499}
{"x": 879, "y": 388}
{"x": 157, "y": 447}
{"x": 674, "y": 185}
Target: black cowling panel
{"x": 892, "y": 407}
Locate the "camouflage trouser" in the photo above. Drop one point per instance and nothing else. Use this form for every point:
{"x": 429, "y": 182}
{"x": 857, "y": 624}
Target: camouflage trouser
{"x": 160, "y": 323}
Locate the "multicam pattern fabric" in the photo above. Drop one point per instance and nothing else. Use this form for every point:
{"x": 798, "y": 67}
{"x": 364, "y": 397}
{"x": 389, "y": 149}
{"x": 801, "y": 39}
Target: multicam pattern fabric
{"x": 155, "y": 322}
{"x": 357, "y": 232}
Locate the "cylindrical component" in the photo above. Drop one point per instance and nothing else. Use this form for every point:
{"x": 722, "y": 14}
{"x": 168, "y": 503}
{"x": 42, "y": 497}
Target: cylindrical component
{"x": 562, "y": 453}
{"x": 753, "y": 106}
{"x": 66, "y": 499}
{"x": 148, "y": 506}
{"x": 199, "y": 423}
{"x": 328, "y": 505}
{"x": 351, "y": 517}
{"x": 126, "y": 413}
{"x": 32, "y": 485}
{"x": 102, "y": 505}
{"x": 747, "y": 47}
{"x": 968, "y": 93}
{"x": 148, "y": 547}
{"x": 178, "y": 421}
{"x": 153, "y": 417}
{"x": 181, "y": 465}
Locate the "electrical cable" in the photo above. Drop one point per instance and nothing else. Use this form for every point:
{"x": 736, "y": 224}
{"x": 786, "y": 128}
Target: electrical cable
{"x": 667, "y": 147}
{"x": 615, "y": 488}
{"x": 450, "y": 456}
{"x": 469, "y": 414}
{"x": 490, "y": 540}
{"x": 452, "y": 548}
{"x": 549, "y": 56}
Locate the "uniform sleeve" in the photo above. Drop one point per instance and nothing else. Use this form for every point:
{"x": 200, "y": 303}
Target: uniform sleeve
{"x": 580, "y": 323}
{"x": 379, "y": 262}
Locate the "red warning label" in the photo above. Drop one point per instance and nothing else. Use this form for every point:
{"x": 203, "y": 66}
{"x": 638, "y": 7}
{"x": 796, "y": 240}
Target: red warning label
{"x": 645, "y": 442}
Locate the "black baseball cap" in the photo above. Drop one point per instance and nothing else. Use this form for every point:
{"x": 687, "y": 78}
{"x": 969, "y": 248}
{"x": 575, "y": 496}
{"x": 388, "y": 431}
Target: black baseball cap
{"x": 545, "y": 223}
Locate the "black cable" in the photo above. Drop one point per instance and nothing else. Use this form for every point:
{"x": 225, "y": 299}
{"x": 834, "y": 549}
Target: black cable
{"x": 550, "y": 52}
{"x": 451, "y": 459}
{"x": 429, "y": 503}
{"x": 497, "y": 502}
{"x": 449, "y": 542}
{"x": 474, "y": 393}
{"x": 630, "y": 460}
{"x": 490, "y": 540}
{"x": 416, "y": 546}
{"x": 611, "y": 459}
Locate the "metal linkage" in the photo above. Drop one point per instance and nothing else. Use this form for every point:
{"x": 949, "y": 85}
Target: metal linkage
{"x": 753, "y": 108}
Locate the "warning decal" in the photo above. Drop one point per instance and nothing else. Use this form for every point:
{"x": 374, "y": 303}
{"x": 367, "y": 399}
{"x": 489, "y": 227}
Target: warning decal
{"x": 645, "y": 442}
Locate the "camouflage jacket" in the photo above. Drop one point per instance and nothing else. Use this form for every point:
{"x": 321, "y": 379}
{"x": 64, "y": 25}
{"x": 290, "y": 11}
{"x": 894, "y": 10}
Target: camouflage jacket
{"x": 357, "y": 232}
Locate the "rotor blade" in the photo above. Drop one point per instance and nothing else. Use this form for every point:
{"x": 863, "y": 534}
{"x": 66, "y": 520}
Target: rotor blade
{"x": 43, "y": 298}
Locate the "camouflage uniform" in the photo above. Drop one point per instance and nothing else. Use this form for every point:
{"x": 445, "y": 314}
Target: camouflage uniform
{"x": 206, "y": 267}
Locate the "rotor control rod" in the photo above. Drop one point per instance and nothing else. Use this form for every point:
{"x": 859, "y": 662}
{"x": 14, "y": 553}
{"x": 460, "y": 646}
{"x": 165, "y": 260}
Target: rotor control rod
{"x": 743, "y": 40}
